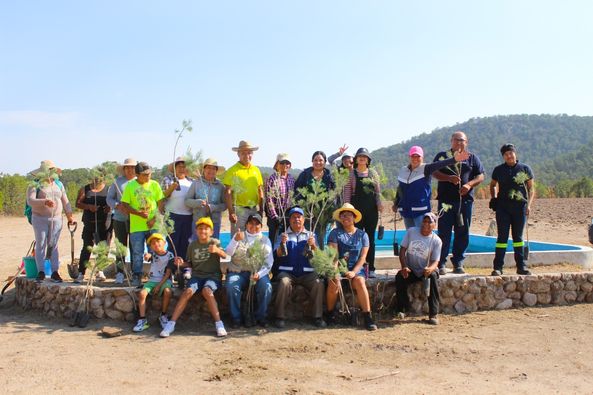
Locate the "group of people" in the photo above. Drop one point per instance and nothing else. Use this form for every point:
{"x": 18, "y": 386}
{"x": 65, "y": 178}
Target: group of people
{"x": 130, "y": 206}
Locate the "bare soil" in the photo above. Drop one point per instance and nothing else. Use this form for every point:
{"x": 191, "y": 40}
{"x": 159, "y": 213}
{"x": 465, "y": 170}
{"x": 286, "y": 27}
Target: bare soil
{"x": 537, "y": 350}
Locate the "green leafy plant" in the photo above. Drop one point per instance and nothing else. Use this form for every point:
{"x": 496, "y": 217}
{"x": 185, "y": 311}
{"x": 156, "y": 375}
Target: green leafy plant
{"x": 521, "y": 178}
{"x": 324, "y": 262}
{"x": 251, "y": 258}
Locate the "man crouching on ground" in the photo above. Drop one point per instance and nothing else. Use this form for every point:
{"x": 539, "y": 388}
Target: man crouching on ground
{"x": 419, "y": 259}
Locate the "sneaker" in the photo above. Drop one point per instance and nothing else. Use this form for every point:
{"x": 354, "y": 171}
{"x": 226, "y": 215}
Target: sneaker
{"x": 168, "y": 329}
{"x": 433, "y": 320}
{"x": 119, "y": 278}
{"x": 220, "y": 331}
{"x": 236, "y": 324}
{"x": 40, "y": 277}
{"x": 263, "y": 323}
{"x": 369, "y": 323}
{"x": 79, "y": 279}
{"x": 331, "y": 317}
{"x": 136, "y": 282}
{"x": 163, "y": 320}
{"x": 459, "y": 270}
{"x": 442, "y": 271}
{"x": 497, "y": 273}
{"x": 372, "y": 274}
{"x": 141, "y": 325}
{"x": 100, "y": 277}
{"x": 523, "y": 272}
{"x": 55, "y": 278}
{"x": 400, "y": 316}
{"x": 319, "y": 323}
{"x": 280, "y": 323}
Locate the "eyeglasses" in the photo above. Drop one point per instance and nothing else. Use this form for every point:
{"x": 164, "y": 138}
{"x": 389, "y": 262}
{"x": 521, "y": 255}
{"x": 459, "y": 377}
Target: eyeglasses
{"x": 460, "y": 140}
{"x": 284, "y": 162}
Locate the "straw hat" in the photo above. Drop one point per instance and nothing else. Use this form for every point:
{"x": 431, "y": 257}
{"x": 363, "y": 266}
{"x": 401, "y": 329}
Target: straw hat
{"x": 245, "y": 145}
{"x": 127, "y": 162}
{"x": 212, "y": 162}
{"x": 177, "y": 160}
{"x": 347, "y": 207}
{"x": 45, "y": 166}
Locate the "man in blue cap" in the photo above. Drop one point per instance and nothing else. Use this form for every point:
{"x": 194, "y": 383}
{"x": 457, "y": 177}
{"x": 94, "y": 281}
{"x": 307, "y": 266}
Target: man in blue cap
{"x": 294, "y": 268}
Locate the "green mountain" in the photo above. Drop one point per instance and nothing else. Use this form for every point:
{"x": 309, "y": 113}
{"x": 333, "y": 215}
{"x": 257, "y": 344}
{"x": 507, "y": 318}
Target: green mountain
{"x": 557, "y": 147}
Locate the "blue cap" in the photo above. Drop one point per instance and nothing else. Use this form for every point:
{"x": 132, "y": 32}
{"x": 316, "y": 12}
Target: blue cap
{"x": 295, "y": 210}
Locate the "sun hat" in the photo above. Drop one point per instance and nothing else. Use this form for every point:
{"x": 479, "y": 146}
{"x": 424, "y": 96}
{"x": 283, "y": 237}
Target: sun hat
{"x": 131, "y": 162}
{"x": 347, "y": 207}
{"x": 212, "y": 162}
{"x": 282, "y": 157}
{"x": 143, "y": 168}
{"x": 294, "y": 210}
{"x": 177, "y": 160}
{"x": 154, "y": 236}
{"x": 245, "y": 145}
{"x": 205, "y": 221}
{"x": 256, "y": 217}
{"x": 432, "y": 216}
{"x": 363, "y": 152}
{"x": 416, "y": 150}
{"x": 45, "y": 166}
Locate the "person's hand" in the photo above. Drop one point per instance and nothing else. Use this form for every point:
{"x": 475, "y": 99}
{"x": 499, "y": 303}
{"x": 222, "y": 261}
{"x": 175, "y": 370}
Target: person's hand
{"x": 461, "y": 156}
{"x": 380, "y": 207}
{"x": 106, "y": 209}
{"x": 455, "y": 180}
{"x": 49, "y": 203}
{"x": 92, "y": 208}
{"x": 204, "y": 203}
{"x": 178, "y": 260}
{"x": 405, "y": 272}
{"x": 155, "y": 290}
{"x": 150, "y": 223}
{"x": 143, "y": 213}
{"x": 147, "y": 256}
{"x": 239, "y": 235}
{"x": 527, "y": 210}
{"x": 428, "y": 271}
{"x": 311, "y": 241}
{"x": 394, "y": 208}
{"x": 283, "y": 238}
{"x": 492, "y": 204}
{"x": 350, "y": 274}
{"x": 342, "y": 149}
{"x": 465, "y": 188}
{"x": 233, "y": 218}
{"x": 255, "y": 276}
{"x": 212, "y": 248}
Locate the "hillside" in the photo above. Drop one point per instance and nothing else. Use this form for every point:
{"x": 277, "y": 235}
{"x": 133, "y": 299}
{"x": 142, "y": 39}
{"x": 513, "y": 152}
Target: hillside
{"x": 558, "y": 147}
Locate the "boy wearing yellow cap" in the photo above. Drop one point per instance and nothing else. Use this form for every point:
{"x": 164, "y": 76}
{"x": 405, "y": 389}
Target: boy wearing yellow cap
{"x": 203, "y": 257}
{"x": 159, "y": 282}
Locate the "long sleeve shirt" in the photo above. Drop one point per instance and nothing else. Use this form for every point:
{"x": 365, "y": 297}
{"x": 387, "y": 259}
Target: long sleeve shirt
{"x": 278, "y": 191}
{"x": 249, "y": 240}
{"x": 36, "y": 198}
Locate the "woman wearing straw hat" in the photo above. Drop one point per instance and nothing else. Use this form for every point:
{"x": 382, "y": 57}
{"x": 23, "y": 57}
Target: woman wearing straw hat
{"x": 206, "y": 195}
{"x": 175, "y": 187}
{"x": 278, "y": 192}
{"x": 47, "y": 199}
{"x": 352, "y": 244}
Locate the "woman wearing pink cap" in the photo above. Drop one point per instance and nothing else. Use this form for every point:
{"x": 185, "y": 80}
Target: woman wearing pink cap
{"x": 414, "y": 190}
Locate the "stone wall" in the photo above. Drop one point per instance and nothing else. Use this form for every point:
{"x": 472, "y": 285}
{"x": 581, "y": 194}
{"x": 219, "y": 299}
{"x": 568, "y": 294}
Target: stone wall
{"x": 459, "y": 294}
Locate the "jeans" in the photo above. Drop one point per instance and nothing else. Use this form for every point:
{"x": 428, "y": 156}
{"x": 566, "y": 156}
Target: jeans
{"x": 137, "y": 242}
{"x": 513, "y": 218}
{"x": 401, "y": 291}
{"x": 47, "y": 233}
{"x": 122, "y": 232}
{"x": 236, "y": 282}
{"x": 411, "y": 222}
{"x": 448, "y": 221}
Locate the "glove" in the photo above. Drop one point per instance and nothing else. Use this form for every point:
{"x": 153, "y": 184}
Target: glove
{"x": 492, "y": 204}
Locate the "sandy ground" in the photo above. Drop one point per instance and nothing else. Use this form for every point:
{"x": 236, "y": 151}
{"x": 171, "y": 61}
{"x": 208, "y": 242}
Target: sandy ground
{"x": 541, "y": 350}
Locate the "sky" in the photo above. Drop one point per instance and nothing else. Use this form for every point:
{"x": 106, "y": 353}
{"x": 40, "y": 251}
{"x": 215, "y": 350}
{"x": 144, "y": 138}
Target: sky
{"x": 84, "y": 82}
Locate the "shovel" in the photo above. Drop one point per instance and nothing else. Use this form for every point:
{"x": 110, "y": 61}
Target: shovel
{"x": 395, "y": 244}
{"x": 72, "y": 266}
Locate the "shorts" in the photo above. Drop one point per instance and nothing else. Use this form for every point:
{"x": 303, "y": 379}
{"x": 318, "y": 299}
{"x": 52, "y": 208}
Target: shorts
{"x": 196, "y": 284}
{"x": 150, "y": 285}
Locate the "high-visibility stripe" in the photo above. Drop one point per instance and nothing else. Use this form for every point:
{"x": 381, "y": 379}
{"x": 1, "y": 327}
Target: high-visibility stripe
{"x": 519, "y": 244}
{"x": 501, "y": 245}
{"x": 289, "y": 268}
{"x": 307, "y": 269}
{"x": 419, "y": 208}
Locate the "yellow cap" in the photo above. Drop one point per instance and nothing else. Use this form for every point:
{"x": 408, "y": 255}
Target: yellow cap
{"x": 205, "y": 221}
{"x": 155, "y": 236}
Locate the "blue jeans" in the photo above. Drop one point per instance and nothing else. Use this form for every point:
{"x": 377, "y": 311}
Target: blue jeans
{"x": 47, "y": 233}
{"x": 461, "y": 240}
{"x": 411, "y": 222}
{"x": 236, "y": 282}
{"x": 137, "y": 242}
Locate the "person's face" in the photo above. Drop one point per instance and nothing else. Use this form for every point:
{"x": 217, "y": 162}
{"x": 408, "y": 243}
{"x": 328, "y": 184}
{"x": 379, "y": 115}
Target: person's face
{"x": 253, "y": 226}
{"x": 318, "y": 162}
{"x": 347, "y": 162}
{"x": 210, "y": 172}
{"x": 203, "y": 232}
{"x": 158, "y": 246}
{"x": 284, "y": 167}
{"x": 129, "y": 172}
{"x": 296, "y": 222}
{"x": 347, "y": 219}
{"x": 415, "y": 161}
{"x": 245, "y": 156}
{"x": 427, "y": 226}
{"x": 180, "y": 169}
{"x": 510, "y": 158}
{"x": 143, "y": 178}
{"x": 459, "y": 141}
{"x": 362, "y": 161}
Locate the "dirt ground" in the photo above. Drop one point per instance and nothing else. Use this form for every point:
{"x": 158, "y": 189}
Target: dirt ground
{"x": 537, "y": 350}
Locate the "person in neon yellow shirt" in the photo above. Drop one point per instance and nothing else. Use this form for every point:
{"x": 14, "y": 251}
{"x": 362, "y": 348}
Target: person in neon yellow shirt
{"x": 141, "y": 199}
{"x": 243, "y": 187}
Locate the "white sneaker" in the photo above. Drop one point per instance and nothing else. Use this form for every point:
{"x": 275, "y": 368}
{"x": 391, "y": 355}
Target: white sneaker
{"x": 119, "y": 278}
{"x": 168, "y": 329}
{"x": 141, "y": 325}
{"x": 164, "y": 320}
{"x": 79, "y": 279}
{"x": 220, "y": 331}
{"x": 100, "y": 277}
{"x": 372, "y": 274}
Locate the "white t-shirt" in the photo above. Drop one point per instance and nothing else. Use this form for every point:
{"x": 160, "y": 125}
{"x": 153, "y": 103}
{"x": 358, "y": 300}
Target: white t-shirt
{"x": 158, "y": 266}
{"x": 176, "y": 202}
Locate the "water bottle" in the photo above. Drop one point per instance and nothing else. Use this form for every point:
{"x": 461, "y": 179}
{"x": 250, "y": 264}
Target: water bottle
{"x": 47, "y": 267}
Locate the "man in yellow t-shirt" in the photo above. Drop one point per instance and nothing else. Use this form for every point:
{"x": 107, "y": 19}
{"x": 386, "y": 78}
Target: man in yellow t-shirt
{"x": 141, "y": 199}
{"x": 243, "y": 187}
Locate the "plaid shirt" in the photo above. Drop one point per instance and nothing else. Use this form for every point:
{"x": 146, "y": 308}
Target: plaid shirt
{"x": 278, "y": 194}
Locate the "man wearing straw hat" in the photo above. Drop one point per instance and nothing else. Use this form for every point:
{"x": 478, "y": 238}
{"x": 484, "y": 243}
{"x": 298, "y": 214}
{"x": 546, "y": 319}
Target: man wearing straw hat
{"x": 206, "y": 196}
{"x": 121, "y": 219}
{"x": 243, "y": 187}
